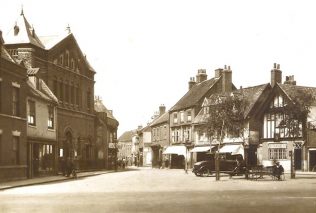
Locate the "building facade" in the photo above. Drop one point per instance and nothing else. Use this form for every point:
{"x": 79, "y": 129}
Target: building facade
{"x": 106, "y": 135}
{"x": 41, "y": 128}
{"x": 182, "y": 114}
{"x": 160, "y": 138}
{"x": 13, "y": 147}
{"x": 66, "y": 71}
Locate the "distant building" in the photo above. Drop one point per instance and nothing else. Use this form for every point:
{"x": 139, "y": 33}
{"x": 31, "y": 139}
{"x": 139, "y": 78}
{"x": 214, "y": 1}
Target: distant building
{"x": 13, "y": 91}
{"x": 106, "y": 135}
{"x": 160, "y": 137}
{"x": 125, "y": 144}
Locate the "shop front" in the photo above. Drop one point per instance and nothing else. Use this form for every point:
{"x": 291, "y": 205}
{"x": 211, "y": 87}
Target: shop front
{"x": 41, "y": 159}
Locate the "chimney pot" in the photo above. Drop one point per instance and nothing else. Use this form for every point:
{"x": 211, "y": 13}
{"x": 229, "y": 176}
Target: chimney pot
{"x": 278, "y": 66}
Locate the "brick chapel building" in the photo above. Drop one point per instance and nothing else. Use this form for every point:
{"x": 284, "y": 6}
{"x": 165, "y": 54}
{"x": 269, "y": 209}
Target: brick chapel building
{"x": 66, "y": 71}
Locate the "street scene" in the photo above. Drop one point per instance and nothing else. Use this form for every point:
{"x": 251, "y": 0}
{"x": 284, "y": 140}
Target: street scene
{"x": 157, "y": 106}
{"x": 163, "y": 190}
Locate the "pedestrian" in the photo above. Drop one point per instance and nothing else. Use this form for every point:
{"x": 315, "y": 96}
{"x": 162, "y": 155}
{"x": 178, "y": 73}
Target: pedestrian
{"x": 278, "y": 170}
{"x": 63, "y": 166}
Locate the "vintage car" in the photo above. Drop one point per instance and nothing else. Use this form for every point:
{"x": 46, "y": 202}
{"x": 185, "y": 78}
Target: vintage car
{"x": 230, "y": 164}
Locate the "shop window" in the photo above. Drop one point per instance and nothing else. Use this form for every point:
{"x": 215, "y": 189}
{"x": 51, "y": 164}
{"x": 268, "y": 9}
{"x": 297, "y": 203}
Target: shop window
{"x": 277, "y": 153}
{"x": 31, "y": 114}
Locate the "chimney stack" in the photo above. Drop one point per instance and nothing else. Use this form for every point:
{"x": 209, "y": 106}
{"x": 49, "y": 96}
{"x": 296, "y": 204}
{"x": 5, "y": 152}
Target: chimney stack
{"x": 227, "y": 85}
{"x": 276, "y": 75}
{"x": 201, "y": 76}
{"x": 290, "y": 80}
{"x": 191, "y": 82}
{"x": 162, "y": 109}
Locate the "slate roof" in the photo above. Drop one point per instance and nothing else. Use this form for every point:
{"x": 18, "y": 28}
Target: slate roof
{"x": 127, "y": 136}
{"x": 25, "y": 34}
{"x": 194, "y": 94}
{"x": 161, "y": 119}
{"x": 43, "y": 91}
{"x": 290, "y": 90}
{"x": 251, "y": 94}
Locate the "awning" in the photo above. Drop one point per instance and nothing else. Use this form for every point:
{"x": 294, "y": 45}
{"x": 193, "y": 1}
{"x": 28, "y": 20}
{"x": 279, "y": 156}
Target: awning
{"x": 234, "y": 149}
{"x": 178, "y": 150}
{"x": 201, "y": 149}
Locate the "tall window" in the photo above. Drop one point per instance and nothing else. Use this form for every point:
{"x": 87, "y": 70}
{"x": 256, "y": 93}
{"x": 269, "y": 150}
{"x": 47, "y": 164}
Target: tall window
{"x": 189, "y": 116}
{"x": 181, "y": 117}
{"x": 67, "y": 59}
{"x": 61, "y": 60}
{"x": 77, "y": 95}
{"x": 16, "y": 150}
{"x": 88, "y": 99}
{"x": 175, "y": 118}
{"x": 31, "y": 113}
{"x": 50, "y": 117}
{"x": 67, "y": 93}
{"x": 61, "y": 91}
{"x": 72, "y": 94}
{"x": 15, "y": 101}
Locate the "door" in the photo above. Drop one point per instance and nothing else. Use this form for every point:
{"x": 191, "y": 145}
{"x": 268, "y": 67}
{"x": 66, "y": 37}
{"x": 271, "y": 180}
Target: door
{"x": 297, "y": 159}
{"x": 312, "y": 160}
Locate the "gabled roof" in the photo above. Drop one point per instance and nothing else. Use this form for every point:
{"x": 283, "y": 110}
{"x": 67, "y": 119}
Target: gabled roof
{"x": 127, "y": 136}
{"x": 99, "y": 107}
{"x": 194, "y": 94}
{"x": 23, "y": 33}
{"x": 291, "y": 90}
{"x": 6, "y": 55}
{"x": 42, "y": 92}
{"x": 161, "y": 119}
{"x": 251, "y": 94}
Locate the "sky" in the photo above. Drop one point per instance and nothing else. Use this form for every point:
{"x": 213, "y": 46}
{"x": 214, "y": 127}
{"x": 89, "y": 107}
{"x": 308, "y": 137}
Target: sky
{"x": 145, "y": 51}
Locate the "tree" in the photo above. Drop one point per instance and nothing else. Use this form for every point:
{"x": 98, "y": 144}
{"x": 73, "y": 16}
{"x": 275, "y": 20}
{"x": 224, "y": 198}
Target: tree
{"x": 225, "y": 117}
{"x": 296, "y": 112}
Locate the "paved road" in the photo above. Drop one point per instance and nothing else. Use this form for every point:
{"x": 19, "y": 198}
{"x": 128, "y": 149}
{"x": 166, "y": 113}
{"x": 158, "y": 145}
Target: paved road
{"x": 153, "y": 190}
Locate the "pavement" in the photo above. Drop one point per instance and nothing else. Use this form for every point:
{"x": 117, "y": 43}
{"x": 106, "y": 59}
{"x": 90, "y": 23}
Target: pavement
{"x": 49, "y": 179}
{"x": 58, "y": 178}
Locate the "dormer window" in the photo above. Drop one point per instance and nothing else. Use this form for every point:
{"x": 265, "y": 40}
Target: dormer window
{"x": 189, "y": 116}
{"x": 175, "y": 118}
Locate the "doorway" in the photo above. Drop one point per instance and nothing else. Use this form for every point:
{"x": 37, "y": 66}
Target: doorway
{"x": 312, "y": 160}
{"x": 297, "y": 159}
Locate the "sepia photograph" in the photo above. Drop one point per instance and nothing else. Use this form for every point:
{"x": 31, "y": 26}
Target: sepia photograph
{"x": 136, "y": 106}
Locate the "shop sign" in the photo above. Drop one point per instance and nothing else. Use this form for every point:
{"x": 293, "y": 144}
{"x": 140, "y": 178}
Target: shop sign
{"x": 277, "y": 145}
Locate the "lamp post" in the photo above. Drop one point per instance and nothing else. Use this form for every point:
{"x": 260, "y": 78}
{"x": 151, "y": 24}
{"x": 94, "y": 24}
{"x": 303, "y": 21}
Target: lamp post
{"x": 115, "y": 154}
{"x": 186, "y": 144}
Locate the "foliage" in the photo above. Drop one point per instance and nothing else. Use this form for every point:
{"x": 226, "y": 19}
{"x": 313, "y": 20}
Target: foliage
{"x": 297, "y": 110}
{"x": 226, "y": 115}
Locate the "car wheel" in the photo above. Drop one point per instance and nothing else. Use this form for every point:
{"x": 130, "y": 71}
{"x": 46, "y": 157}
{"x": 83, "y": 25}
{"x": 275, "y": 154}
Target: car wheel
{"x": 196, "y": 174}
{"x": 206, "y": 172}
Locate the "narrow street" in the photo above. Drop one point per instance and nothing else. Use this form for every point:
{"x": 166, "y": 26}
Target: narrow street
{"x": 154, "y": 190}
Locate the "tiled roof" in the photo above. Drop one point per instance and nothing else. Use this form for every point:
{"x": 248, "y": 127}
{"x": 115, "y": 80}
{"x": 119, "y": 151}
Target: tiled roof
{"x": 161, "y": 119}
{"x": 32, "y": 71}
{"x": 127, "y": 136}
{"x": 194, "y": 94}
{"x": 251, "y": 94}
{"x": 26, "y": 34}
{"x": 291, "y": 90}
{"x": 99, "y": 107}
{"x": 6, "y": 55}
{"x": 51, "y": 41}
{"x": 43, "y": 91}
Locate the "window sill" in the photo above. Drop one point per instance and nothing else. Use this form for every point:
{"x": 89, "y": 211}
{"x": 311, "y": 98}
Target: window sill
{"x": 32, "y": 126}
{"x": 51, "y": 130}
